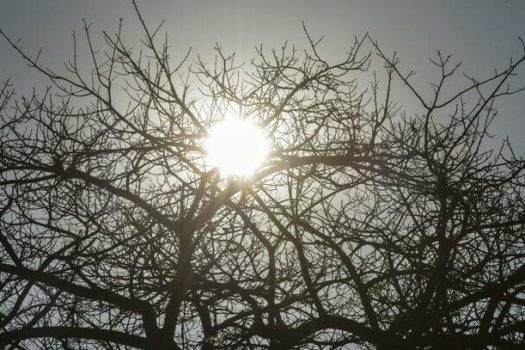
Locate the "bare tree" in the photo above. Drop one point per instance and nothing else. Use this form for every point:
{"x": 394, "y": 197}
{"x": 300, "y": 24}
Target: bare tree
{"x": 366, "y": 225}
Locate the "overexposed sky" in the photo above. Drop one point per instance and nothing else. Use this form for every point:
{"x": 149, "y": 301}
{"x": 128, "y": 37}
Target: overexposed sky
{"x": 483, "y": 34}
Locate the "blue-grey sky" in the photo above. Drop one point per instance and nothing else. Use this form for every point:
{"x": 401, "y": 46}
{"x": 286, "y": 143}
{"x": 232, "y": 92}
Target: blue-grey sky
{"x": 482, "y": 34}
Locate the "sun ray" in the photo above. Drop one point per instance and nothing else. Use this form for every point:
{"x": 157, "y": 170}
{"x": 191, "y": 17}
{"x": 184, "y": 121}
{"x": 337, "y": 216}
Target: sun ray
{"x": 236, "y": 147}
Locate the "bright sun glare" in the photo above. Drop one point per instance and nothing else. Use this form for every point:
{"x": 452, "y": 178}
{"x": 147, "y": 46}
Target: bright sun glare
{"x": 236, "y": 147}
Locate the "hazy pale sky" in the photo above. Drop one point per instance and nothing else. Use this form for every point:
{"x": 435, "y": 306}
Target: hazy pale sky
{"x": 482, "y": 34}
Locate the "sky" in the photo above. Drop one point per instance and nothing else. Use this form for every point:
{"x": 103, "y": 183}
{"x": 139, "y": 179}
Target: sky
{"x": 482, "y": 34}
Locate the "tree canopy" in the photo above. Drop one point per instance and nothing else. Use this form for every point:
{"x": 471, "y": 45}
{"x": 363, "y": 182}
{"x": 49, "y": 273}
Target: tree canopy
{"x": 368, "y": 226}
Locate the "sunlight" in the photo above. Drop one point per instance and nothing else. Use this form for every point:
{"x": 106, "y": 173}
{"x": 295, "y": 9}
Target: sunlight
{"x": 236, "y": 147}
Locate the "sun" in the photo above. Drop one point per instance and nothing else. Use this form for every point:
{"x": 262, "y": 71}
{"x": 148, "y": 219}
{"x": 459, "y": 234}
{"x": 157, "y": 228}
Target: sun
{"x": 236, "y": 147}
